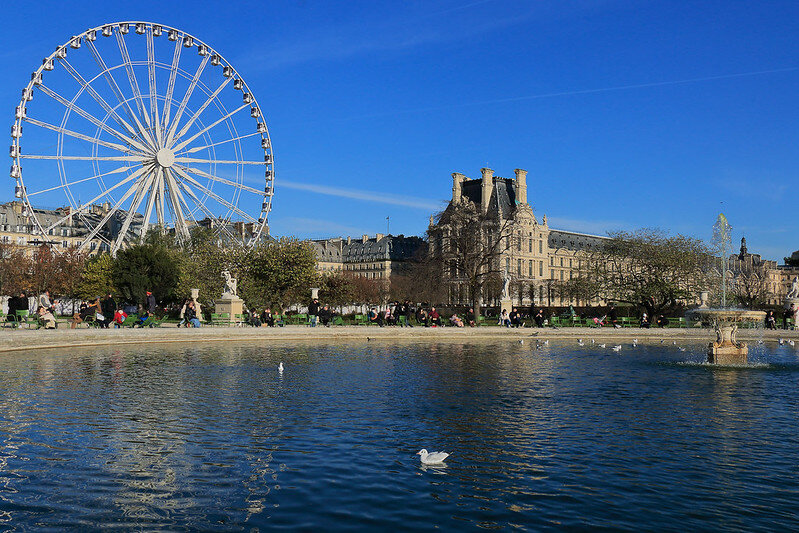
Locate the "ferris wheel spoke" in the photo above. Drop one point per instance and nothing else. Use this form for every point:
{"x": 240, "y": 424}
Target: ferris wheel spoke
{"x": 179, "y": 218}
{"x": 222, "y": 180}
{"x": 170, "y": 88}
{"x": 183, "y": 144}
{"x": 88, "y": 116}
{"x": 218, "y": 161}
{"x": 151, "y": 74}
{"x": 131, "y": 158}
{"x": 141, "y": 193}
{"x": 232, "y": 139}
{"x": 199, "y": 111}
{"x": 88, "y": 204}
{"x": 134, "y": 83}
{"x": 212, "y": 194}
{"x": 93, "y": 233}
{"x": 202, "y": 206}
{"x": 75, "y": 134}
{"x": 152, "y": 195}
{"x": 183, "y": 200}
{"x": 112, "y": 84}
{"x": 99, "y": 99}
{"x": 69, "y": 184}
{"x": 179, "y": 113}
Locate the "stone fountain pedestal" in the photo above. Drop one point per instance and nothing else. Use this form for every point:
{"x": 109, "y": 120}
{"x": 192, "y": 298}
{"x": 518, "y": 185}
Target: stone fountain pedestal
{"x": 726, "y": 350}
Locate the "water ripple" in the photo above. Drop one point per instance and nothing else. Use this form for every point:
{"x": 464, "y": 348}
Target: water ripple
{"x": 555, "y": 437}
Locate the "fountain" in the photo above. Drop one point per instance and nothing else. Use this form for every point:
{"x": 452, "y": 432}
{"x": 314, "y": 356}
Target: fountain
{"x": 725, "y": 350}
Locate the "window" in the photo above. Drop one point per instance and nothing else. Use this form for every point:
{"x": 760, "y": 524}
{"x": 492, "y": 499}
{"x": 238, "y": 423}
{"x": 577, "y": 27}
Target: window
{"x": 530, "y": 267}
{"x": 540, "y": 247}
{"x": 519, "y": 267}
{"x": 540, "y": 269}
{"x": 561, "y": 261}
{"x": 519, "y": 243}
{"x": 561, "y": 275}
{"x": 570, "y": 263}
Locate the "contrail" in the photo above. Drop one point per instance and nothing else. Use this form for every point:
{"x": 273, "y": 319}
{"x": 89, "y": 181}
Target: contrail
{"x": 582, "y": 91}
{"x": 405, "y": 201}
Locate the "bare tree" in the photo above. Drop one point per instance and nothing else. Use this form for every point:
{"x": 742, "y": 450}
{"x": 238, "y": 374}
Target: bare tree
{"x": 467, "y": 245}
{"x": 645, "y": 267}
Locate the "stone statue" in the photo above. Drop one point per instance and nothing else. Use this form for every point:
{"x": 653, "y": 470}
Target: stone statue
{"x": 230, "y": 283}
{"x": 505, "y": 284}
{"x": 794, "y": 292}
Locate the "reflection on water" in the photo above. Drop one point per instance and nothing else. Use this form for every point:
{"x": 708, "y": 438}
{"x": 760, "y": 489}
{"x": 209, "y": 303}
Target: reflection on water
{"x": 558, "y": 436}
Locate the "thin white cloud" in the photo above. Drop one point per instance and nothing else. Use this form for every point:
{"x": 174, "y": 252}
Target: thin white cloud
{"x": 366, "y": 196}
{"x": 592, "y": 227}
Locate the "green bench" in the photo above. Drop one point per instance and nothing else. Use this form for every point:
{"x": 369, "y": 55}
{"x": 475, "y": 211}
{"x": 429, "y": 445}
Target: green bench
{"x": 220, "y": 319}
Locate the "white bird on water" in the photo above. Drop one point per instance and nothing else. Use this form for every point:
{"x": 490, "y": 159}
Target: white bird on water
{"x": 617, "y": 348}
{"x": 280, "y": 367}
{"x": 579, "y": 342}
{"x": 601, "y": 345}
{"x": 792, "y": 343}
{"x": 782, "y": 341}
{"x": 432, "y": 458}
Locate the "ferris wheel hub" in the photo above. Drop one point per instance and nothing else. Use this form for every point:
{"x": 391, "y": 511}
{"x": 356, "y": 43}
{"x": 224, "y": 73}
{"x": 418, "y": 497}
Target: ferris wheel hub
{"x": 165, "y": 157}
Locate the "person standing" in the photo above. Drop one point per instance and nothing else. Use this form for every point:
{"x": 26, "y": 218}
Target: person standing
{"x": 613, "y": 316}
{"x": 150, "y": 303}
{"x": 109, "y": 307}
{"x": 313, "y": 312}
{"x": 539, "y": 318}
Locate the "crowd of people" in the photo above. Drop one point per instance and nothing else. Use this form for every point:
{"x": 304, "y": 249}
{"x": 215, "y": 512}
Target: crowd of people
{"x": 104, "y": 312}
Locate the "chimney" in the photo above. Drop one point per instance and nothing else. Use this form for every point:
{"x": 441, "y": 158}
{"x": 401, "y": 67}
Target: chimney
{"x": 457, "y": 187}
{"x": 521, "y": 185}
{"x": 488, "y": 186}
{"x": 365, "y": 239}
{"x": 378, "y": 236}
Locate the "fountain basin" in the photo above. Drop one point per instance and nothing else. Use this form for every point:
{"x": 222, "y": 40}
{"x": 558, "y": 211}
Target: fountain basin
{"x": 726, "y": 350}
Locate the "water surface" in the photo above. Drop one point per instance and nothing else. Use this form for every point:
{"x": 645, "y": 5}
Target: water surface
{"x": 168, "y": 437}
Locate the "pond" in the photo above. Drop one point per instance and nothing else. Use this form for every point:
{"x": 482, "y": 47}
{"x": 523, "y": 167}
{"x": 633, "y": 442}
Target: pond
{"x": 167, "y": 437}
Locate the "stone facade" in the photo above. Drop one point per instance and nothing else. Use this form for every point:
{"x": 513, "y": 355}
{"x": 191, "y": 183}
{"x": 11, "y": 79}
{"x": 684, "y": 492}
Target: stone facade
{"x": 17, "y": 227}
{"x": 377, "y": 257}
{"x": 535, "y": 255}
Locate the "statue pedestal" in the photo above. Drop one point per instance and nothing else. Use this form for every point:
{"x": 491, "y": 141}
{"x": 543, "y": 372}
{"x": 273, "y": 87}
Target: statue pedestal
{"x": 230, "y": 304}
{"x": 507, "y": 305}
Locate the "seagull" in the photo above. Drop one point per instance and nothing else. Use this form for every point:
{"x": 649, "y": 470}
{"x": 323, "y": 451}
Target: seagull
{"x": 601, "y": 345}
{"x": 674, "y": 343}
{"x": 593, "y": 341}
{"x": 635, "y": 341}
{"x": 432, "y": 458}
{"x": 617, "y": 348}
{"x": 792, "y": 343}
{"x": 280, "y": 367}
{"x": 579, "y": 342}
{"x": 681, "y": 349}
{"x": 521, "y": 341}
{"x": 546, "y": 342}
{"x": 782, "y": 341}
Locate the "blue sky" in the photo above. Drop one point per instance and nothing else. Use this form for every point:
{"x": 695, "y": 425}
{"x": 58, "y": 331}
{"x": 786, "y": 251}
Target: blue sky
{"x": 626, "y": 114}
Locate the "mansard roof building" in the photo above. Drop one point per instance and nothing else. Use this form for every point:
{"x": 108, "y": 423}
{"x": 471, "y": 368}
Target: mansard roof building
{"x": 535, "y": 254}
{"x": 377, "y": 257}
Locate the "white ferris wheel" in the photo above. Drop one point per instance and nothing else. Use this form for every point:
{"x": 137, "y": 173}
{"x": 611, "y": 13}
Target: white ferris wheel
{"x": 132, "y": 125}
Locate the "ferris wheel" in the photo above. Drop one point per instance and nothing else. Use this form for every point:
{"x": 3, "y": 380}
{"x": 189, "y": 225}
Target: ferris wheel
{"x": 135, "y": 125}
